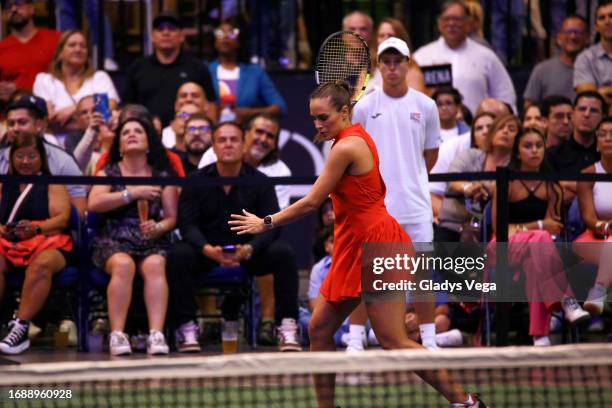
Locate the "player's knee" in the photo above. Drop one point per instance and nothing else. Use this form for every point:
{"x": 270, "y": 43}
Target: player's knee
{"x": 319, "y": 331}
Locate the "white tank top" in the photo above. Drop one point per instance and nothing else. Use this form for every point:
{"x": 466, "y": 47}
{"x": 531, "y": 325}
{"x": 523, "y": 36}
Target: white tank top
{"x": 602, "y": 195}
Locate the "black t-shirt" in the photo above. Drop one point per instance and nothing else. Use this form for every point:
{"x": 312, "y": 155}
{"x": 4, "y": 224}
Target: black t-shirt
{"x": 154, "y": 85}
{"x": 571, "y": 157}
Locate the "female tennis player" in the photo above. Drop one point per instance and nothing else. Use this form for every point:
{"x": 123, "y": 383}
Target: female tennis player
{"x": 357, "y": 190}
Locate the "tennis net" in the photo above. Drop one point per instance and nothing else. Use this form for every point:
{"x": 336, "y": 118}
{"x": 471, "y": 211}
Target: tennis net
{"x": 560, "y": 376}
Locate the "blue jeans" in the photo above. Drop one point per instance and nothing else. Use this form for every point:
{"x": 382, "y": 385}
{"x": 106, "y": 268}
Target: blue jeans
{"x": 67, "y": 19}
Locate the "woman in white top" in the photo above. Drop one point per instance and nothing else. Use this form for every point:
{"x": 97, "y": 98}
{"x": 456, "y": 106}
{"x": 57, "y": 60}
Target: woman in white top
{"x": 71, "y": 77}
{"x": 392, "y": 27}
{"x": 595, "y": 199}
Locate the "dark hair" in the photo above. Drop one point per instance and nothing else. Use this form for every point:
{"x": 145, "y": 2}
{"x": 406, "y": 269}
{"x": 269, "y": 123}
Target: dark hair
{"x": 468, "y": 118}
{"x": 325, "y": 233}
{"x": 198, "y": 116}
{"x": 338, "y": 92}
{"x": 134, "y": 111}
{"x": 227, "y": 123}
{"x": 545, "y": 167}
{"x": 592, "y": 94}
{"x": 29, "y": 139}
{"x": 447, "y": 90}
{"x": 553, "y": 100}
{"x": 602, "y": 3}
{"x": 606, "y": 119}
{"x": 156, "y": 155}
{"x": 577, "y": 17}
{"x": 274, "y": 154}
{"x": 473, "y": 127}
{"x": 242, "y": 53}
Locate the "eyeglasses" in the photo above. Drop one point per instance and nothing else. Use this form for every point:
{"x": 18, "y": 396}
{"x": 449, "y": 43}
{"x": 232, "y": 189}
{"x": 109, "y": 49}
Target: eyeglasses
{"x": 262, "y": 132}
{"x": 604, "y": 134}
{"x": 232, "y": 35}
{"x": 199, "y": 129}
{"x": 183, "y": 115}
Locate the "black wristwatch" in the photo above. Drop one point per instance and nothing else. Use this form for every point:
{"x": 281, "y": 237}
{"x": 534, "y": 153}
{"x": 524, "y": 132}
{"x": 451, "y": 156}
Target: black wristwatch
{"x": 268, "y": 221}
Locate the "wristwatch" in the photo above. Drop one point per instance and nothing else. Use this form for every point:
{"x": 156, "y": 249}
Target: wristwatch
{"x": 268, "y": 221}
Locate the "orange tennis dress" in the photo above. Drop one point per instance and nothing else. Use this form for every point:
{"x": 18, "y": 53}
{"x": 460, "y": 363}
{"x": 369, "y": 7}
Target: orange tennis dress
{"x": 361, "y": 217}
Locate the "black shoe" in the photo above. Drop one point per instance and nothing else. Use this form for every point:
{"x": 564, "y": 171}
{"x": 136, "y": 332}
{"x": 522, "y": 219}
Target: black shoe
{"x": 266, "y": 333}
{"x": 16, "y": 341}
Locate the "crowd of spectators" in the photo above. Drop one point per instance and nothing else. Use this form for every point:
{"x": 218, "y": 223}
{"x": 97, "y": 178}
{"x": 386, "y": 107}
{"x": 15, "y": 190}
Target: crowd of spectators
{"x": 178, "y": 116}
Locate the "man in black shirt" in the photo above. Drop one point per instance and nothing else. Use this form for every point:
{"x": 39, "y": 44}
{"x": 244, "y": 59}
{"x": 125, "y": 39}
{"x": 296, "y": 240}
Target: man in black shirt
{"x": 154, "y": 80}
{"x": 570, "y": 157}
{"x": 204, "y": 213}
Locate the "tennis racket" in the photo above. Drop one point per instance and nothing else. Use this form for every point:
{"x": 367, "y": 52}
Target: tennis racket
{"x": 344, "y": 55}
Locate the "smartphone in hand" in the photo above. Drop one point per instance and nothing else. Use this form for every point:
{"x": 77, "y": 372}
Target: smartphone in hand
{"x": 102, "y": 106}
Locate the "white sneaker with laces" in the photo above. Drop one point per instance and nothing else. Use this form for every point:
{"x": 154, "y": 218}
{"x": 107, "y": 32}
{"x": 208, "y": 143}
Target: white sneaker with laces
{"x": 119, "y": 344}
{"x": 16, "y": 341}
{"x": 156, "y": 343}
{"x": 541, "y": 341}
{"x": 287, "y": 334}
{"x": 573, "y": 312}
{"x": 596, "y": 299}
{"x": 187, "y": 338}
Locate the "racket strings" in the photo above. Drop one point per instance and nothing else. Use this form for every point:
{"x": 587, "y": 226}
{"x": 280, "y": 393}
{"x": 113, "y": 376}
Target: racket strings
{"x": 344, "y": 57}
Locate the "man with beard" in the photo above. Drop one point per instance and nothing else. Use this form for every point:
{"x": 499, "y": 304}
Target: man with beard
{"x": 197, "y": 140}
{"x": 27, "y": 51}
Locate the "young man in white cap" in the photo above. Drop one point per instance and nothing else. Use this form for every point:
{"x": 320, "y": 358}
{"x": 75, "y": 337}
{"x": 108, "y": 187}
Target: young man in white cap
{"x": 405, "y": 126}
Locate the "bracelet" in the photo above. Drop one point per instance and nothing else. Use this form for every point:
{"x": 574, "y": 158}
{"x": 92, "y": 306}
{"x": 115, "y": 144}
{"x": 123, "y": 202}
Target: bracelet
{"x": 540, "y": 225}
{"x": 127, "y": 196}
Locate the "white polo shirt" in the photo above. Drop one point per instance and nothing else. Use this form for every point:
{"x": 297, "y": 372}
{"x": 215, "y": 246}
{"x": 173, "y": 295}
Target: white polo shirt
{"x": 477, "y": 71}
{"x": 402, "y": 128}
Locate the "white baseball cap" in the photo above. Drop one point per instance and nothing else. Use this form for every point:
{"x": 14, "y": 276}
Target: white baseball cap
{"x": 396, "y": 44}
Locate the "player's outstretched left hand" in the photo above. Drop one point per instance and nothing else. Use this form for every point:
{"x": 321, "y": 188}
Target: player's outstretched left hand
{"x": 247, "y": 223}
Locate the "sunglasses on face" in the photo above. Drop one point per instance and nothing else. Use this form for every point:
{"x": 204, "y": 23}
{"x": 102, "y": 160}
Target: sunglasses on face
{"x": 232, "y": 35}
{"x": 166, "y": 26}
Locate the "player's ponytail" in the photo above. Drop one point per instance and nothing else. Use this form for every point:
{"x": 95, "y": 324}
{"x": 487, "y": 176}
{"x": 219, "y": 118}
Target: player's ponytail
{"x": 337, "y": 91}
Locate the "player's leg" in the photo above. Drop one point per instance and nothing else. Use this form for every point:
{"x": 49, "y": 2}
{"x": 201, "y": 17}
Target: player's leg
{"x": 326, "y": 319}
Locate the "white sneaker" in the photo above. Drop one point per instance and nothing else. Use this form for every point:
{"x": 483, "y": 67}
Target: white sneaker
{"x": 573, "y": 312}
{"x": 541, "y": 341}
{"x": 119, "y": 344}
{"x": 68, "y": 326}
{"x": 156, "y": 343}
{"x": 287, "y": 334}
{"x": 354, "y": 346}
{"x": 451, "y": 338}
{"x": 187, "y": 338}
{"x": 596, "y": 299}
